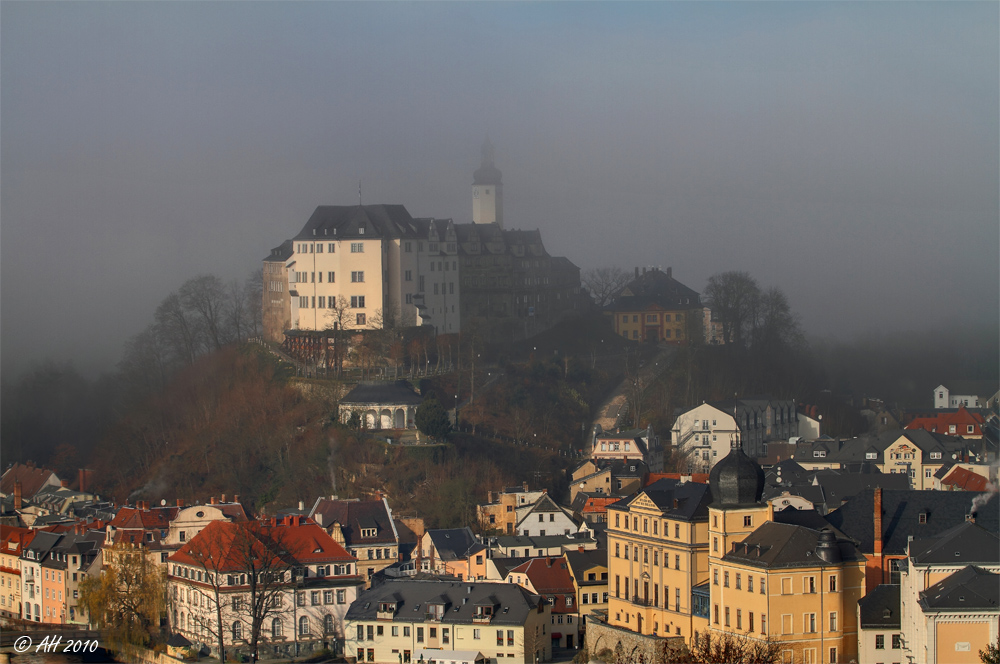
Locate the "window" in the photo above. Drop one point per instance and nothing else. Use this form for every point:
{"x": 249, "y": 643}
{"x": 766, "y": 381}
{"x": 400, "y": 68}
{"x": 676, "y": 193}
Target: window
{"x": 727, "y": 617}
{"x": 499, "y": 637}
{"x": 747, "y": 521}
{"x": 833, "y": 584}
{"x": 358, "y": 247}
{"x": 677, "y": 562}
{"x": 871, "y": 455}
{"x": 357, "y": 302}
{"x": 715, "y": 577}
{"x": 809, "y": 621}
{"x": 749, "y": 584}
{"x": 880, "y": 642}
{"x": 716, "y": 621}
{"x": 237, "y": 630}
{"x": 331, "y": 277}
{"x": 677, "y": 532}
{"x": 300, "y": 599}
{"x": 358, "y": 277}
{"x": 937, "y": 455}
{"x": 420, "y": 635}
{"x": 476, "y": 634}
{"x": 328, "y": 597}
{"x": 510, "y": 637}
{"x": 725, "y": 579}
{"x": 897, "y": 641}
{"x": 314, "y": 598}
{"x": 360, "y": 319}
{"x": 341, "y": 597}
{"x": 276, "y": 628}
{"x": 739, "y": 581}
{"x": 809, "y": 584}
{"x": 739, "y": 618}
{"x": 303, "y": 301}
{"x": 833, "y": 621}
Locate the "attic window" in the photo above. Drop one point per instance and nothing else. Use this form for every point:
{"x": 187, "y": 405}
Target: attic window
{"x": 318, "y": 550}
{"x": 922, "y": 517}
{"x": 871, "y": 455}
{"x": 935, "y": 455}
{"x": 361, "y": 230}
{"x": 819, "y": 453}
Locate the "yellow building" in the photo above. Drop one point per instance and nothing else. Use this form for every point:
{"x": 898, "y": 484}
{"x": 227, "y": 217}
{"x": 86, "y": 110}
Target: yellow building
{"x": 792, "y": 584}
{"x": 656, "y": 307}
{"x": 657, "y": 556}
{"x": 12, "y": 543}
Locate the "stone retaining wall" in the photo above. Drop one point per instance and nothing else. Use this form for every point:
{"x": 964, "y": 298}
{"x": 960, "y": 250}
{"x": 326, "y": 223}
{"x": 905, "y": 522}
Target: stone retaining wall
{"x": 627, "y": 646}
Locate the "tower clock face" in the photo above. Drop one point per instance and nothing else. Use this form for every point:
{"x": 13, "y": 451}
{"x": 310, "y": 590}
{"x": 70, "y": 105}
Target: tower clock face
{"x": 475, "y": 192}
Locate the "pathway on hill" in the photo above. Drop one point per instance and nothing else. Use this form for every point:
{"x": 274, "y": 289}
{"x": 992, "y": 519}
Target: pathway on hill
{"x": 609, "y": 411}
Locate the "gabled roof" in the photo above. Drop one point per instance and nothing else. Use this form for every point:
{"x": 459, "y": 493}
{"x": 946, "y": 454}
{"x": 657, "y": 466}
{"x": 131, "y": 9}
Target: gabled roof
{"x": 514, "y": 602}
{"x": 655, "y": 289}
{"x": 686, "y": 501}
{"x": 336, "y": 222}
{"x": 782, "y": 545}
{"x": 979, "y": 388}
{"x": 582, "y": 561}
{"x": 547, "y": 575}
{"x": 879, "y": 609}
{"x": 452, "y": 543}
{"x": 970, "y": 589}
{"x": 154, "y": 518}
{"x": 13, "y": 539}
{"x": 228, "y": 544}
{"x": 901, "y": 516}
{"x": 354, "y": 516}
{"x": 966, "y": 480}
{"x": 967, "y": 543}
{"x": 32, "y": 479}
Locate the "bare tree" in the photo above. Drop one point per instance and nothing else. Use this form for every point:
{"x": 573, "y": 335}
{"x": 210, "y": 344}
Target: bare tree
{"x": 730, "y": 648}
{"x": 177, "y": 330}
{"x": 336, "y": 318}
{"x": 604, "y": 283}
{"x": 209, "y": 550}
{"x": 734, "y": 296}
{"x": 237, "y": 314}
{"x": 205, "y": 298}
{"x": 253, "y": 290}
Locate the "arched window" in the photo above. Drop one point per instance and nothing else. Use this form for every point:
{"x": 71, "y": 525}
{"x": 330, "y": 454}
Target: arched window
{"x": 276, "y": 628}
{"x": 237, "y": 630}
{"x": 328, "y": 624}
{"x": 303, "y": 626}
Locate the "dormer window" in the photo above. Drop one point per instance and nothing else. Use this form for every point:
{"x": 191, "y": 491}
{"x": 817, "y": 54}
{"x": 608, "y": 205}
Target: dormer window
{"x": 922, "y": 517}
{"x": 819, "y": 454}
{"x": 361, "y": 230}
{"x": 935, "y": 455}
{"x": 871, "y": 455}
{"x": 369, "y": 532}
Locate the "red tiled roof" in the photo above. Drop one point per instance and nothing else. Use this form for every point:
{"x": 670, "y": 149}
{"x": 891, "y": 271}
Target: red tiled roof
{"x": 967, "y": 480}
{"x": 598, "y": 505}
{"x": 20, "y": 537}
{"x": 960, "y": 419}
{"x": 31, "y": 479}
{"x": 156, "y": 518}
{"x": 305, "y": 542}
{"x": 550, "y": 576}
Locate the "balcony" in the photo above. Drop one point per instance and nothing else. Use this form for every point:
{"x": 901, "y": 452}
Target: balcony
{"x": 638, "y": 601}
{"x": 482, "y": 618}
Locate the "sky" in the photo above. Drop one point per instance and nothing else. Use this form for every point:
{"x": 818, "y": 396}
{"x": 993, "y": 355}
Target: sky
{"x": 845, "y": 152}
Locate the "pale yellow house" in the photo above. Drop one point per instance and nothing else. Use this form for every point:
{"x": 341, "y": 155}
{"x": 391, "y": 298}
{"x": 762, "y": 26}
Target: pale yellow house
{"x": 657, "y": 555}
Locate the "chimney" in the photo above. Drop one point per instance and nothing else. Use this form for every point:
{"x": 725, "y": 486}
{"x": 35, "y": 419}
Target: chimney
{"x": 236, "y": 498}
{"x": 82, "y": 480}
{"x": 64, "y": 484}
{"x": 489, "y": 496}
{"x": 579, "y": 549}
{"x": 525, "y": 486}
{"x": 180, "y": 502}
{"x": 17, "y": 495}
{"x": 212, "y": 500}
{"x": 670, "y": 272}
{"x": 223, "y": 499}
{"x": 877, "y": 515}
{"x": 318, "y": 517}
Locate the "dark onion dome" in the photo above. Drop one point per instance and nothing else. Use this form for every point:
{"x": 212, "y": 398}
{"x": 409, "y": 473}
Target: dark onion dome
{"x": 736, "y": 480}
{"x": 487, "y": 173}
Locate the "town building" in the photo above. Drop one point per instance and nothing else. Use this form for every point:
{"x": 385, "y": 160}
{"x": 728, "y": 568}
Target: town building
{"x": 312, "y": 581}
{"x": 537, "y": 546}
{"x": 550, "y": 577}
{"x": 950, "y": 595}
{"x": 628, "y": 445}
{"x": 589, "y": 572}
{"x": 498, "y": 515}
{"x": 276, "y": 308}
{"x": 657, "y": 559}
{"x": 394, "y": 622}
{"x": 365, "y": 528}
{"x": 13, "y": 539}
{"x": 968, "y": 393}
{"x": 882, "y": 522}
{"x": 657, "y": 308}
{"x": 544, "y": 517}
{"x": 24, "y": 480}
{"x": 793, "y": 584}
{"x": 142, "y": 526}
{"x": 880, "y": 639}
{"x": 446, "y": 551}
{"x": 962, "y": 422}
{"x": 43, "y": 587}
{"x": 704, "y": 434}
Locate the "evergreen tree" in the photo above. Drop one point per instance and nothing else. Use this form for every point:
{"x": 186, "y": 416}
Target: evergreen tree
{"x": 432, "y": 418}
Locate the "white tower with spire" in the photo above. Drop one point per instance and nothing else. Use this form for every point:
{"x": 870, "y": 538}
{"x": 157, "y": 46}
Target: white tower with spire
{"x": 487, "y": 190}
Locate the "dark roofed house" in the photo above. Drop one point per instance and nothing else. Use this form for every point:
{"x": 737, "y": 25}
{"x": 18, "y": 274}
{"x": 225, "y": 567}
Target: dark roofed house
{"x": 364, "y": 527}
{"x": 388, "y": 623}
{"x": 381, "y": 405}
{"x": 879, "y": 629}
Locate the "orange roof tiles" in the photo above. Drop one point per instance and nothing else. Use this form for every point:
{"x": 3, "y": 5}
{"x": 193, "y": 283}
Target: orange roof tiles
{"x": 966, "y": 480}
{"x": 942, "y": 423}
{"x": 32, "y": 479}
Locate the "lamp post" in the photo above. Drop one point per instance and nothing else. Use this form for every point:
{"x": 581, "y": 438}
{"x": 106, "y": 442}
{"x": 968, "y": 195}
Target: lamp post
{"x": 456, "y": 412}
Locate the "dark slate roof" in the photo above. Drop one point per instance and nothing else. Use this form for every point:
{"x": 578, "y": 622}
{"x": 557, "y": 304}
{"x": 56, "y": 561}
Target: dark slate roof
{"x": 655, "y": 289}
{"x": 512, "y": 603}
{"x": 969, "y": 589}
{"x": 879, "y": 609}
{"x": 280, "y": 254}
{"x": 505, "y": 565}
{"x": 398, "y": 392}
{"x": 808, "y": 518}
{"x": 581, "y": 561}
{"x": 332, "y": 222}
{"x": 692, "y": 499}
{"x": 353, "y": 515}
{"x": 901, "y": 516}
{"x": 178, "y": 641}
{"x": 452, "y": 543}
{"x": 777, "y": 545}
{"x": 967, "y": 543}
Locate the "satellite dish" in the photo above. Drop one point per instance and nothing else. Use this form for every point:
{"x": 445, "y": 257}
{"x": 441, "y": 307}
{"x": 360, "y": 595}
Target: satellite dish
{"x": 163, "y": 501}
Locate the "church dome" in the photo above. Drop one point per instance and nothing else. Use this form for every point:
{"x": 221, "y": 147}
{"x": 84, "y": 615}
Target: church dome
{"x": 736, "y": 480}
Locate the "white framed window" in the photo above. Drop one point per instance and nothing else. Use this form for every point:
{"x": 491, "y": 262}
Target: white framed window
{"x": 357, "y": 302}
{"x": 331, "y": 277}
{"x": 358, "y": 277}
{"x": 357, "y": 247}
{"x": 332, "y": 248}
